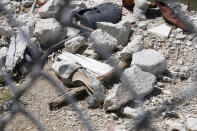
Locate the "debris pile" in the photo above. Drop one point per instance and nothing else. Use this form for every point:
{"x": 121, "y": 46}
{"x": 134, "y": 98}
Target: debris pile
{"x": 121, "y": 52}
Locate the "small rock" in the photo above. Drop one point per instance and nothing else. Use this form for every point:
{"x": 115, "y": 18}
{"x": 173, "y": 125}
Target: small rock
{"x": 178, "y": 30}
{"x": 72, "y": 31}
{"x": 167, "y": 79}
{"x": 170, "y": 114}
{"x": 48, "y": 9}
{"x": 150, "y": 60}
{"x": 175, "y": 126}
{"x": 142, "y": 25}
{"x": 140, "y": 82}
{"x": 113, "y": 127}
{"x": 181, "y": 61}
{"x": 160, "y": 84}
{"x": 3, "y": 41}
{"x": 120, "y": 128}
{"x": 189, "y": 43}
{"x": 180, "y": 36}
{"x": 134, "y": 46}
{"x": 7, "y": 6}
{"x": 5, "y": 29}
{"x": 100, "y": 38}
{"x": 120, "y": 31}
{"x": 78, "y": 4}
{"x": 162, "y": 30}
{"x": 174, "y": 74}
{"x": 74, "y": 44}
{"x": 177, "y": 42}
{"x": 91, "y": 53}
{"x": 114, "y": 116}
{"x": 191, "y": 124}
{"x": 140, "y": 8}
{"x": 107, "y": 116}
{"x": 132, "y": 113}
{"x": 27, "y": 3}
{"x": 184, "y": 73}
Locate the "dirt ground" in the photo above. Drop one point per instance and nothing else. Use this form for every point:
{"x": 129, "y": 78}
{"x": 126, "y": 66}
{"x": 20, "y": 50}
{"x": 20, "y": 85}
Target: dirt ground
{"x": 161, "y": 101}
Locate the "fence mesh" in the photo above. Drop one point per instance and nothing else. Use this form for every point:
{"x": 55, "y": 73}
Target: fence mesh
{"x": 143, "y": 122}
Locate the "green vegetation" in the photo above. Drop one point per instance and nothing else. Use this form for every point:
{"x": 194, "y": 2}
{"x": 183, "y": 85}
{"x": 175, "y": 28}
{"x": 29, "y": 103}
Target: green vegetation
{"x": 1, "y": 79}
{"x": 5, "y": 95}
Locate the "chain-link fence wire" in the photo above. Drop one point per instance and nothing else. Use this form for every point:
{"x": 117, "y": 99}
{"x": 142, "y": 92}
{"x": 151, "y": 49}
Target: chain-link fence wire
{"x": 65, "y": 19}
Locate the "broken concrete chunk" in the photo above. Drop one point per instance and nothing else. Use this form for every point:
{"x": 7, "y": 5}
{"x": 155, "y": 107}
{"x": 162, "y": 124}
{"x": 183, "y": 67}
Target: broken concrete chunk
{"x": 140, "y": 82}
{"x": 175, "y": 125}
{"x": 162, "y": 31}
{"x": 48, "y": 9}
{"x": 44, "y": 25}
{"x": 72, "y": 31}
{"x": 9, "y": 64}
{"x": 22, "y": 40}
{"x": 191, "y": 124}
{"x": 134, "y": 46}
{"x": 3, "y": 42}
{"x": 27, "y": 3}
{"x": 65, "y": 70}
{"x": 5, "y": 29}
{"x": 101, "y": 38}
{"x": 6, "y": 6}
{"x": 95, "y": 67}
{"x": 74, "y": 44}
{"x": 17, "y": 47}
{"x": 143, "y": 82}
{"x": 132, "y": 113}
{"x": 120, "y": 31}
{"x": 150, "y": 60}
{"x": 78, "y": 4}
{"x": 111, "y": 102}
{"x": 3, "y": 53}
{"x": 48, "y": 32}
{"x": 140, "y": 8}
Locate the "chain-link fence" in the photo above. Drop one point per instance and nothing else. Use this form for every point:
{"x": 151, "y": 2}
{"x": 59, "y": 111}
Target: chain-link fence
{"x": 143, "y": 122}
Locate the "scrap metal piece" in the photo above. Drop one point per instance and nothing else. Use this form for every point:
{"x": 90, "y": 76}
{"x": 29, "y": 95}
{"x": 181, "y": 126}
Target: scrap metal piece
{"x": 102, "y": 13}
{"x": 170, "y": 17}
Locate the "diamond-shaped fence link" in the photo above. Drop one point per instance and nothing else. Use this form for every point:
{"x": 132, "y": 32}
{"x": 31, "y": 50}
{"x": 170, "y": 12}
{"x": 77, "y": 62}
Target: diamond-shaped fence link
{"x": 36, "y": 71}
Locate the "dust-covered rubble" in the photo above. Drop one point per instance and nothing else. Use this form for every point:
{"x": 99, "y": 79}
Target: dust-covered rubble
{"x": 158, "y": 58}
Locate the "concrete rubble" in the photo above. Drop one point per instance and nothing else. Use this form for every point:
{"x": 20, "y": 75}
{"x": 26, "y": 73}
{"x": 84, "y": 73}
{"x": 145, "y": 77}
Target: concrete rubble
{"x": 150, "y": 61}
{"x": 132, "y": 113}
{"x": 108, "y": 41}
{"x": 141, "y": 6}
{"x": 17, "y": 47}
{"x": 75, "y": 44}
{"x": 155, "y": 60}
{"x": 52, "y": 31}
{"x": 175, "y": 125}
{"x": 132, "y": 47}
{"x": 120, "y": 31}
{"x": 48, "y": 9}
{"x": 161, "y": 30}
{"x": 191, "y": 124}
{"x": 5, "y": 29}
{"x": 3, "y": 53}
{"x": 133, "y": 80}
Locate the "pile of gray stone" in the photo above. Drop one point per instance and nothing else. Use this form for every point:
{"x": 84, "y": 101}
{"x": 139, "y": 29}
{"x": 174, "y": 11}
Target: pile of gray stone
{"x": 155, "y": 51}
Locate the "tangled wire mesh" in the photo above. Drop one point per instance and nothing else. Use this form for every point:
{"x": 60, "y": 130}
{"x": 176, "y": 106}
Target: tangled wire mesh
{"x": 65, "y": 19}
